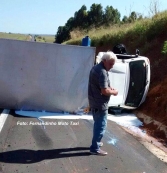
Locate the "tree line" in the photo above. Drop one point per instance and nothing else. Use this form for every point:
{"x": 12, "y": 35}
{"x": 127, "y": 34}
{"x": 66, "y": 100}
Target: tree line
{"x": 95, "y": 17}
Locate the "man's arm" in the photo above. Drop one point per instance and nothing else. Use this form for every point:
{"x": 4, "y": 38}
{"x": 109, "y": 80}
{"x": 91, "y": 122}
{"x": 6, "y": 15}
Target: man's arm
{"x": 109, "y": 91}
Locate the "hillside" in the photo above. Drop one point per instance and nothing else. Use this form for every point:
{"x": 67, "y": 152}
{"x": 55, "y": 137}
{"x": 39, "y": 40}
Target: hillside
{"x": 149, "y": 36}
{"x": 155, "y": 105}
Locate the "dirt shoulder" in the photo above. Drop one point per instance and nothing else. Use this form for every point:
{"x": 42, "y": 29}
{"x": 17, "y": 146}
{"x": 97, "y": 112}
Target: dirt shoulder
{"x": 155, "y": 106}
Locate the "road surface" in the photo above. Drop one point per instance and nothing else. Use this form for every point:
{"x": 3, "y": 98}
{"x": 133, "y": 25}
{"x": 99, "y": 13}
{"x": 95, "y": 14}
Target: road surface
{"x": 62, "y": 146}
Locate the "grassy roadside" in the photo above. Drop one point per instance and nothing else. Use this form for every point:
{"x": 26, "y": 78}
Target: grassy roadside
{"x": 45, "y": 38}
{"x": 13, "y": 36}
{"x": 139, "y": 34}
{"x": 26, "y": 37}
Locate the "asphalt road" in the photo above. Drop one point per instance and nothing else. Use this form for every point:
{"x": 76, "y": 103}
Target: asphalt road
{"x": 63, "y": 147}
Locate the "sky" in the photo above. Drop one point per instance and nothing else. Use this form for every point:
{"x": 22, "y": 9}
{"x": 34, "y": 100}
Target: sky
{"x": 45, "y": 16}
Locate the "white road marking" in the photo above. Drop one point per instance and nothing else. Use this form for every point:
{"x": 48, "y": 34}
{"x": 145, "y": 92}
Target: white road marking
{"x": 3, "y": 118}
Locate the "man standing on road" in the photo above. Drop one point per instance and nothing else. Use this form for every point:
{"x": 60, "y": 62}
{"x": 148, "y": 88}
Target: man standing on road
{"x": 99, "y": 92}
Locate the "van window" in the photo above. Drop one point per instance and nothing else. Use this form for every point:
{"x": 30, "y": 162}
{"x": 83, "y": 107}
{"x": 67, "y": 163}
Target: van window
{"x": 137, "y": 83}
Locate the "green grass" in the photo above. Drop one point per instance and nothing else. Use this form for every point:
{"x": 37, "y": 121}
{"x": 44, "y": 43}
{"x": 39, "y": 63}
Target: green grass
{"x": 49, "y": 39}
{"x": 45, "y": 38}
{"x": 133, "y": 35}
{"x": 13, "y": 36}
{"x": 164, "y": 50}
{"x": 25, "y": 37}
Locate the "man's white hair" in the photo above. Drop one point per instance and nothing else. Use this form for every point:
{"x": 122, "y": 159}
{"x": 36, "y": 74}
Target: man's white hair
{"x": 109, "y": 55}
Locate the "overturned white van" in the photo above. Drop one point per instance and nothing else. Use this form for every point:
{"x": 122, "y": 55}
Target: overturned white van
{"x": 131, "y": 77}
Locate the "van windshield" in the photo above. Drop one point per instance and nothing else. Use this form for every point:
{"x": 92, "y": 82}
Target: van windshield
{"x": 137, "y": 83}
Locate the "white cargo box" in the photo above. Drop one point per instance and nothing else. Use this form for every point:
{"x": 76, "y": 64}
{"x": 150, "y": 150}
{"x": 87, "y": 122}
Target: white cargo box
{"x": 44, "y": 76}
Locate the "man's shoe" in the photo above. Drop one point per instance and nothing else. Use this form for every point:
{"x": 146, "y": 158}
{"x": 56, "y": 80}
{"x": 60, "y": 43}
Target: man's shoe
{"x": 100, "y": 144}
{"x": 99, "y": 152}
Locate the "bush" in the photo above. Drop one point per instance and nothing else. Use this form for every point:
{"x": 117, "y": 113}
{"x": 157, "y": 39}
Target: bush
{"x": 164, "y": 50}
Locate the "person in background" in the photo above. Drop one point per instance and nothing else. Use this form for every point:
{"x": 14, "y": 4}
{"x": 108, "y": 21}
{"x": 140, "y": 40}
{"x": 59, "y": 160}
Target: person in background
{"x": 99, "y": 92}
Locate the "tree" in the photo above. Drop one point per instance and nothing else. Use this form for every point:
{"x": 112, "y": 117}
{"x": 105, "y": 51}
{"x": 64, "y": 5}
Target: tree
{"x": 111, "y": 16}
{"x": 84, "y": 19}
{"x": 62, "y": 35}
{"x": 70, "y": 23}
{"x": 125, "y": 19}
{"x": 133, "y": 16}
{"x": 108, "y": 16}
{"x": 95, "y": 15}
{"x": 80, "y": 18}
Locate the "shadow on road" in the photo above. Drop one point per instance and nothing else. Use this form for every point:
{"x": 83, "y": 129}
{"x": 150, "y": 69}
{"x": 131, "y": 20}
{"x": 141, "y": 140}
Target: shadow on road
{"x": 31, "y": 156}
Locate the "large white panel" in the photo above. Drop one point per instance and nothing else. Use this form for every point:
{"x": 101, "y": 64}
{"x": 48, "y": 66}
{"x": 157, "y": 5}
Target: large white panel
{"x": 43, "y": 76}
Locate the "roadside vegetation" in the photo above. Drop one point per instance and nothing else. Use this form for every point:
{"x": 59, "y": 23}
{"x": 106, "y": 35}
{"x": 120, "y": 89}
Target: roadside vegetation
{"x": 44, "y": 38}
{"x": 138, "y": 34}
{"x": 13, "y": 36}
{"x": 27, "y": 37}
{"x": 93, "y": 19}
